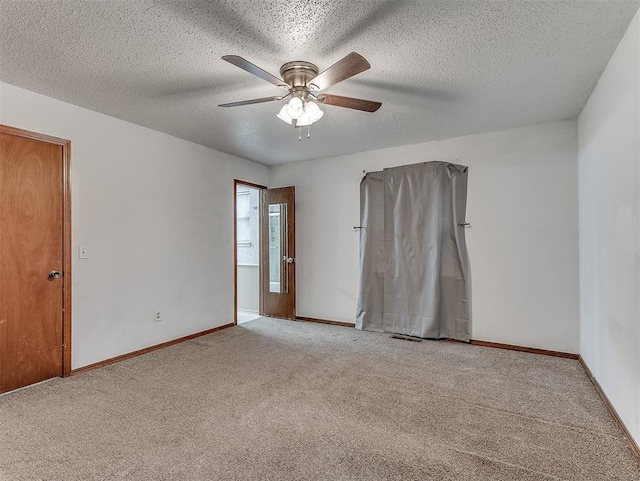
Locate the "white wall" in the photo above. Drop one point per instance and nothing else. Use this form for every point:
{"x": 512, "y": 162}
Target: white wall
{"x": 249, "y": 287}
{"x": 609, "y": 178}
{"x": 156, "y": 215}
{"x": 523, "y": 207}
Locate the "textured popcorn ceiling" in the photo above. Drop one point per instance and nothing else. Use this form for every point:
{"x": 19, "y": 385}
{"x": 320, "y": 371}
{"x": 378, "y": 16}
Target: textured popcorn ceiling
{"x": 440, "y": 68}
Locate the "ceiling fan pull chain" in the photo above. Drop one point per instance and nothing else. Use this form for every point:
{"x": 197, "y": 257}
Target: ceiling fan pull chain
{"x": 309, "y": 131}
{"x": 299, "y": 136}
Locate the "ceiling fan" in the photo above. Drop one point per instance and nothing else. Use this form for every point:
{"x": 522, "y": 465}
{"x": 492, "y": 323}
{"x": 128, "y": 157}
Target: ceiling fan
{"x": 304, "y": 85}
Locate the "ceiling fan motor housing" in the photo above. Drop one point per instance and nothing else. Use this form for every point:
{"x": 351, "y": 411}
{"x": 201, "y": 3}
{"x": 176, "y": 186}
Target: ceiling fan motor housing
{"x": 298, "y": 73}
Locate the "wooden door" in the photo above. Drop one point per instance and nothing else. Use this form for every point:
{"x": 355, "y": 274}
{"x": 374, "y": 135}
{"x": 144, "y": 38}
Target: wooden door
{"x": 32, "y": 186}
{"x": 278, "y": 246}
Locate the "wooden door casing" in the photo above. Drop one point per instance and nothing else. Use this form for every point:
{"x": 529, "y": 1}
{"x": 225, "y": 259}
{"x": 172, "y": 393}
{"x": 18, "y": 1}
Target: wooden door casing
{"x": 34, "y": 239}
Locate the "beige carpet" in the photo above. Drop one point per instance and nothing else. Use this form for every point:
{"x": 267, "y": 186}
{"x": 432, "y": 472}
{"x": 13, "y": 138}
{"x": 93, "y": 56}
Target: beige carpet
{"x": 279, "y": 400}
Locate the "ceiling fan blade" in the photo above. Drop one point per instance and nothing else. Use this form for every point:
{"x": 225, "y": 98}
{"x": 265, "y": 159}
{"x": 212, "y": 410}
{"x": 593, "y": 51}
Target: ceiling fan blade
{"x": 349, "y": 102}
{"x": 347, "y": 67}
{"x": 252, "y": 101}
{"x": 254, "y": 69}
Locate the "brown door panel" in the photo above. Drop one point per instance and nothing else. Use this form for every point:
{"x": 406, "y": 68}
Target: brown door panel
{"x": 278, "y": 269}
{"x": 31, "y": 245}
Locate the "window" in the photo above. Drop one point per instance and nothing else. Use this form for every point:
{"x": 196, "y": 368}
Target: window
{"x": 243, "y": 218}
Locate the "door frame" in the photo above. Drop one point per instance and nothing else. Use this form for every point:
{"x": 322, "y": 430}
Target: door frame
{"x": 237, "y": 182}
{"x": 66, "y": 234}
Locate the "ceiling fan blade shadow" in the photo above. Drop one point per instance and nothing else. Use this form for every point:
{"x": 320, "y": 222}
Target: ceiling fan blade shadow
{"x": 432, "y": 93}
{"x": 346, "y": 67}
{"x": 212, "y": 17}
{"x": 193, "y": 88}
{"x": 252, "y": 101}
{"x": 254, "y": 69}
{"x": 376, "y": 15}
{"x": 349, "y": 102}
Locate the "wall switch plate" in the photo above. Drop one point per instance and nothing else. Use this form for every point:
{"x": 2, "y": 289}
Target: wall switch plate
{"x": 156, "y": 316}
{"x": 83, "y": 253}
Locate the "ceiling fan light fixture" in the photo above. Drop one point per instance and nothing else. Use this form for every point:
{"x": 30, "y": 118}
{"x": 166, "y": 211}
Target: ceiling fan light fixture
{"x": 304, "y": 120}
{"x": 311, "y": 114}
{"x": 313, "y": 111}
{"x": 283, "y": 115}
{"x": 295, "y": 108}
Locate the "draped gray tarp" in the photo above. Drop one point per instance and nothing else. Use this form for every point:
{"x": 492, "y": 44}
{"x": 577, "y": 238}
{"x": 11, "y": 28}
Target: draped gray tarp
{"x": 414, "y": 267}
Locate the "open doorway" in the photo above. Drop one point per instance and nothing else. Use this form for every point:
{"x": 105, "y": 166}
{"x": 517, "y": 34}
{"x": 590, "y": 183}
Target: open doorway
{"x": 247, "y": 251}
{"x": 264, "y": 252}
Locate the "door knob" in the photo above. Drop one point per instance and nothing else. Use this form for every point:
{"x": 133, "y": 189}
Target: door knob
{"x": 53, "y": 275}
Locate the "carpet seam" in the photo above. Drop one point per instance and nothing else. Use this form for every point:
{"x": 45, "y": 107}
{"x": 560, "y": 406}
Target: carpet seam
{"x": 506, "y": 463}
{"x": 487, "y": 407}
{"x": 571, "y": 427}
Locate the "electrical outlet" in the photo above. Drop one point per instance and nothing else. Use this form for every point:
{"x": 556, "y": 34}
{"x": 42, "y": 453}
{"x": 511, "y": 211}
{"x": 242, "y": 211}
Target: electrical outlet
{"x": 83, "y": 253}
{"x": 156, "y": 316}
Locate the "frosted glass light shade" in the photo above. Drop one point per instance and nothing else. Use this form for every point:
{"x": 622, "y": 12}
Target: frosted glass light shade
{"x": 295, "y": 108}
{"x": 283, "y": 115}
{"x": 304, "y": 120}
{"x": 312, "y": 113}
